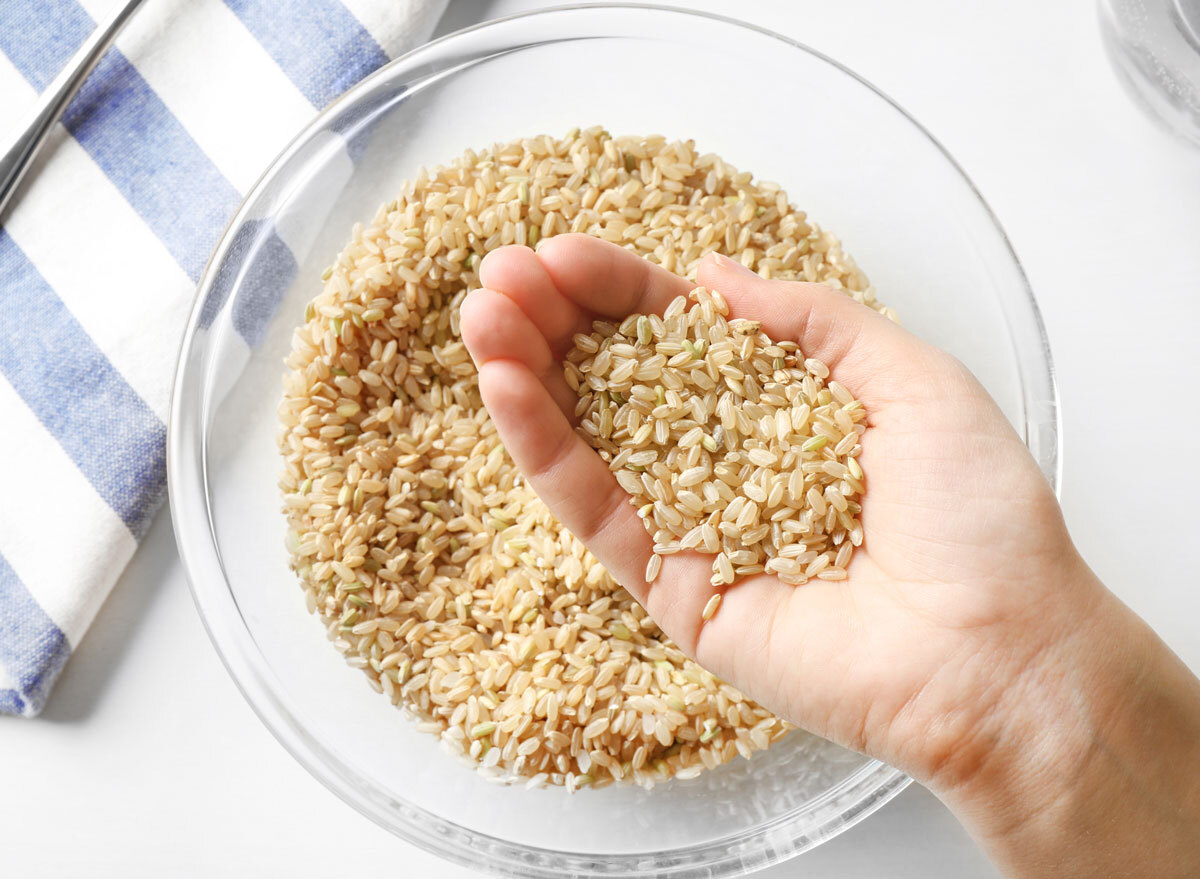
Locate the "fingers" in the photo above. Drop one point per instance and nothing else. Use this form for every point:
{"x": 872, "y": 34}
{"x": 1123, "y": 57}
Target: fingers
{"x": 573, "y": 277}
{"x": 495, "y": 327}
{"x": 606, "y": 279}
{"x": 517, "y": 273}
{"x": 567, "y": 475}
{"x": 577, "y": 486}
{"x": 868, "y": 353}
{"x": 736, "y": 643}
{"x": 514, "y": 334}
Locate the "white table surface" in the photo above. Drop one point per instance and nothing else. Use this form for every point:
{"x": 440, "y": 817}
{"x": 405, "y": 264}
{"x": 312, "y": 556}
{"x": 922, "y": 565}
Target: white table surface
{"x": 147, "y": 761}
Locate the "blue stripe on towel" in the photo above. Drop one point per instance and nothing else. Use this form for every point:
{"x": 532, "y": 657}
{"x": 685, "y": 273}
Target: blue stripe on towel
{"x": 40, "y": 38}
{"x": 271, "y": 269}
{"x": 265, "y": 268}
{"x": 11, "y": 702}
{"x": 32, "y": 648}
{"x": 357, "y": 125}
{"x": 128, "y": 131}
{"x": 110, "y": 433}
{"x": 319, "y": 44}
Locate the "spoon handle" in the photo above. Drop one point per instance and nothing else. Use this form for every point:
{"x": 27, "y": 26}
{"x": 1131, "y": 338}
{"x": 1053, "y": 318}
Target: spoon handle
{"x": 50, "y": 105}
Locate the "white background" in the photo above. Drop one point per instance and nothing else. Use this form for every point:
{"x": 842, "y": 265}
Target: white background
{"x": 147, "y": 761}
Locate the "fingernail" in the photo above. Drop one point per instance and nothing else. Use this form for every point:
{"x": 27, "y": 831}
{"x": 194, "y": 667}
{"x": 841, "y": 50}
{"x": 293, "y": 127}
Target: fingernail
{"x": 731, "y": 265}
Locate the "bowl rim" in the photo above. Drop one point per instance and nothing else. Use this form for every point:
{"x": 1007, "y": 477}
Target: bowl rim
{"x": 876, "y": 783}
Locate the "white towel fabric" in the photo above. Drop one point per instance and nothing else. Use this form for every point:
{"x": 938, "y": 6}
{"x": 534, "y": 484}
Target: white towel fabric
{"x": 100, "y": 254}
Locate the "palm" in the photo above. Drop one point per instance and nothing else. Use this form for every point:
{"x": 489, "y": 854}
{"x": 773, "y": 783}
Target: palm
{"x": 941, "y": 564}
{"x": 940, "y": 570}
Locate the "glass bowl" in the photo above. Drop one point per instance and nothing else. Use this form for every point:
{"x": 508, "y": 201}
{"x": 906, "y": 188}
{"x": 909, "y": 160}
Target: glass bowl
{"x": 845, "y": 153}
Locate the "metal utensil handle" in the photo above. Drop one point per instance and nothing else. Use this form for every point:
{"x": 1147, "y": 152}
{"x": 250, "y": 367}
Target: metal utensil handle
{"x": 54, "y": 100}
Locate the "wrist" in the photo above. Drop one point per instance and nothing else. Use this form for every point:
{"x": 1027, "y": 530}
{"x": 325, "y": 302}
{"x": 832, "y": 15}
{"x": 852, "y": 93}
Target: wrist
{"x": 1038, "y": 688}
{"x": 1088, "y": 763}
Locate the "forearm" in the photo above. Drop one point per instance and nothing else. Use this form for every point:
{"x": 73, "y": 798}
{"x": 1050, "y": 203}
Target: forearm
{"x": 1094, "y": 761}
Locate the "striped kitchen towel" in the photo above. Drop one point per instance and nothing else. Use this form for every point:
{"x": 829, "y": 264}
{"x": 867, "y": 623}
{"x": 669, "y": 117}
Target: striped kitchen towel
{"x": 100, "y": 254}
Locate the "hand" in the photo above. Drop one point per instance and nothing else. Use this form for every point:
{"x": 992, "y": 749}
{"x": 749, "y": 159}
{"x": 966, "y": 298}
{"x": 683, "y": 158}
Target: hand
{"x": 964, "y": 544}
{"x": 967, "y": 603}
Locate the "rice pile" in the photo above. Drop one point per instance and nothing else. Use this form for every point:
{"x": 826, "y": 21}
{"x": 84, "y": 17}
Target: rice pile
{"x": 431, "y": 564}
{"x": 727, "y": 442}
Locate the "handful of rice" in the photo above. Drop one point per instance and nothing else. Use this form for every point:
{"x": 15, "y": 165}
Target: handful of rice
{"x": 727, "y": 442}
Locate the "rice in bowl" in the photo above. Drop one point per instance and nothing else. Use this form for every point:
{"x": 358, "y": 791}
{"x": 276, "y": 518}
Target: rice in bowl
{"x": 433, "y": 566}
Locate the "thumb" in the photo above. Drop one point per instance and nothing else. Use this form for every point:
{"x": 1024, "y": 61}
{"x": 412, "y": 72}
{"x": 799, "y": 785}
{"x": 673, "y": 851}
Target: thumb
{"x": 879, "y": 361}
